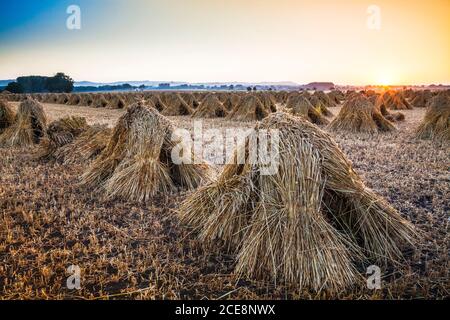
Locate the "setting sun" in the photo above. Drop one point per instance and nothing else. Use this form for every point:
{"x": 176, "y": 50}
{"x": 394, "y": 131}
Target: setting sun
{"x": 384, "y": 81}
{"x": 386, "y": 78}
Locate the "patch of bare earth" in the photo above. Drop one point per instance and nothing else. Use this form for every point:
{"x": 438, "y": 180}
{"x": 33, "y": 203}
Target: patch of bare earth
{"x": 139, "y": 251}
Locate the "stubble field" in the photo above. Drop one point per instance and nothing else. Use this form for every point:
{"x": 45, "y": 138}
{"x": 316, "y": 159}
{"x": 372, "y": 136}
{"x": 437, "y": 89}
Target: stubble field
{"x": 140, "y": 251}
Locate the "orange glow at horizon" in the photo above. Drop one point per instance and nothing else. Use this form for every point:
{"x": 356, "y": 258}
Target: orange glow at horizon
{"x": 386, "y": 79}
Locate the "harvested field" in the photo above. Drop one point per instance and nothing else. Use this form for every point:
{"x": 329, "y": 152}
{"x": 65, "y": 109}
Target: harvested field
{"x": 131, "y": 250}
{"x": 225, "y": 150}
{"x": 92, "y": 115}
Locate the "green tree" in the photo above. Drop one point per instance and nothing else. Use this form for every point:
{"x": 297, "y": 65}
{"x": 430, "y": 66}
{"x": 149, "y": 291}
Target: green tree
{"x": 32, "y": 83}
{"x": 60, "y": 83}
{"x": 14, "y": 87}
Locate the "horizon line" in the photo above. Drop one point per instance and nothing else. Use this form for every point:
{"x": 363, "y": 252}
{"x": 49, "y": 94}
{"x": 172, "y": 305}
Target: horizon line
{"x": 249, "y": 82}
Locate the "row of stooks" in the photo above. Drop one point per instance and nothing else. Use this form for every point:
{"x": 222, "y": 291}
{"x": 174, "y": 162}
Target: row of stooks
{"x": 232, "y": 105}
{"x": 311, "y": 225}
{"x": 368, "y": 111}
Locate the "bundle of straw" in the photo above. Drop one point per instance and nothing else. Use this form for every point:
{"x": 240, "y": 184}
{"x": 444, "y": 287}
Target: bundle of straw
{"x": 300, "y": 106}
{"x": 63, "y": 98}
{"x": 74, "y": 99}
{"x": 176, "y": 106}
{"x": 305, "y": 225}
{"x": 380, "y": 105}
{"x": 436, "y": 123}
{"x": 319, "y": 105}
{"x": 231, "y": 101}
{"x": 211, "y": 107}
{"x": 100, "y": 101}
{"x": 60, "y": 133}
{"x": 29, "y": 125}
{"x": 250, "y": 108}
{"x": 190, "y": 99}
{"x": 421, "y": 98}
{"x": 6, "y": 115}
{"x": 137, "y": 162}
{"x": 395, "y": 100}
{"x": 358, "y": 114}
{"x": 325, "y": 99}
{"x": 84, "y": 148}
{"x": 156, "y": 101}
{"x": 86, "y": 99}
{"x": 116, "y": 102}
{"x": 336, "y": 96}
{"x": 268, "y": 101}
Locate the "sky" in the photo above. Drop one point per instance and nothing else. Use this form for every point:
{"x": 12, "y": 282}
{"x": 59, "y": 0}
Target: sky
{"x": 345, "y": 41}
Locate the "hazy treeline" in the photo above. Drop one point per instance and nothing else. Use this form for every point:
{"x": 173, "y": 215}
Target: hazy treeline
{"x": 33, "y": 84}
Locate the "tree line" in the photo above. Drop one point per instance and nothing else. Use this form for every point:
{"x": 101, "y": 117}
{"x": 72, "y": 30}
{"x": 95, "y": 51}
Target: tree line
{"x": 32, "y": 84}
